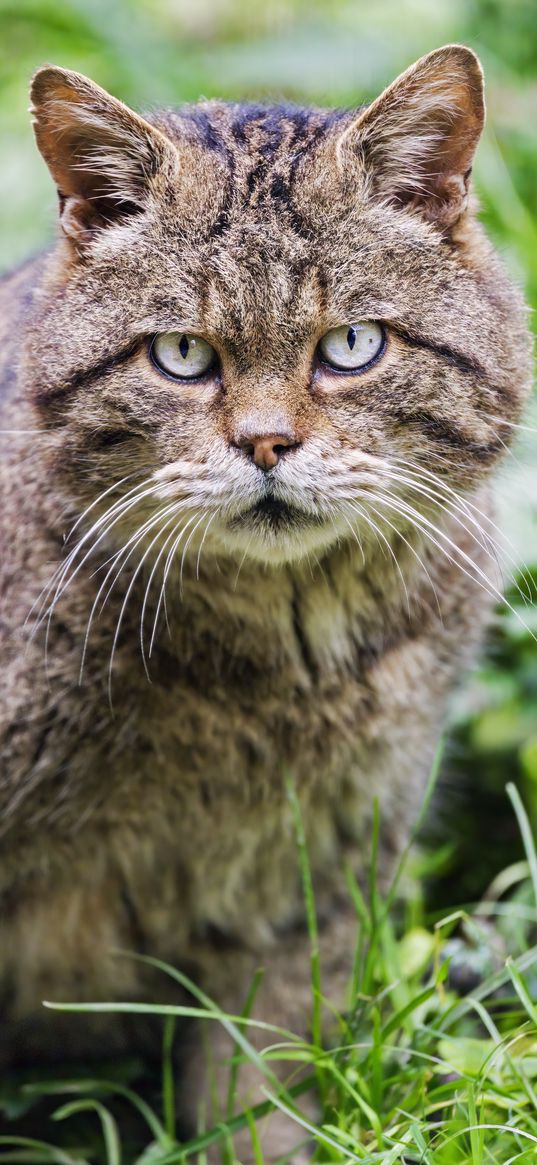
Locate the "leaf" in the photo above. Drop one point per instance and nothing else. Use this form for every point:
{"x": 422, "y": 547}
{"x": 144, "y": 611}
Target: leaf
{"x": 466, "y": 1055}
{"x": 416, "y": 950}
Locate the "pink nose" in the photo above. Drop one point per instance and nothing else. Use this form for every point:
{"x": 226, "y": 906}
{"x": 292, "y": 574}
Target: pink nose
{"x": 266, "y": 451}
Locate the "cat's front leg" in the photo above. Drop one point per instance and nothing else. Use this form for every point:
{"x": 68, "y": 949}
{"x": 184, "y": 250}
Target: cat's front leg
{"x": 284, "y": 1002}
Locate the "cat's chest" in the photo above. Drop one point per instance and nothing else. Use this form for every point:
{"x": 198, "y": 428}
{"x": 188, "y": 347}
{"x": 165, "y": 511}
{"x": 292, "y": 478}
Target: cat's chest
{"x": 238, "y": 695}
{"x": 231, "y": 703}
{"x": 224, "y": 721}
{"x": 203, "y": 790}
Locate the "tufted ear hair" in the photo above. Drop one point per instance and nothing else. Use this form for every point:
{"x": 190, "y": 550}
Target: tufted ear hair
{"x": 415, "y": 144}
{"x": 103, "y": 157}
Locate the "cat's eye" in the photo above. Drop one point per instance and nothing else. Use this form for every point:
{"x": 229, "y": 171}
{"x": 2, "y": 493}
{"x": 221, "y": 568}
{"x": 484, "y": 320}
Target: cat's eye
{"x": 182, "y": 355}
{"x": 352, "y": 347}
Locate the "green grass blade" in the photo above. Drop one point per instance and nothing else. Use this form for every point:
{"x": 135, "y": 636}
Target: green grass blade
{"x": 254, "y": 1137}
{"x": 235, "y": 1065}
{"x": 110, "y": 1132}
{"x": 204, "y": 1140}
{"x": 311, "y": 915}
{"x": 52, "y": 1088}
{"x": 168, "y": 1077}
{"x": 526, "y": 831}
{"x": 52, "y": 1153}
{"x": 429, "y": 790}
{"x": 313, "y": 1129}
{"x": 519, "y": 984}
{"x": 214, "y": 1012}
{"x": 399, "y": 1018}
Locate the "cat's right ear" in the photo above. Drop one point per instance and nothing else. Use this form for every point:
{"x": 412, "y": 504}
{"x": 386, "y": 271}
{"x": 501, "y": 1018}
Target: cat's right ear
{"x": 104, "y": 159}
{"x": 414, "y": 146}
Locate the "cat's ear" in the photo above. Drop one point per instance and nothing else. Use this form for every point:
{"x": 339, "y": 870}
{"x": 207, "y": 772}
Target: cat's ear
{"x": 415, "y": 144}
{"x": 103, "y": 157}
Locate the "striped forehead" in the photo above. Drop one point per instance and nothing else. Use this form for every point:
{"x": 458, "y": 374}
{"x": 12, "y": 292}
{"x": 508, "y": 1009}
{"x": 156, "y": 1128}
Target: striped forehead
{"x": 247, "y": 301}
{"x": 259, "y": 137}
{"x": 257, "y": 271}
{"x": 261, "y": 146}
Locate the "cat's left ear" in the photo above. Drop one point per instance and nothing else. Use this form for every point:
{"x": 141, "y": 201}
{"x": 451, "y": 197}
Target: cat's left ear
{"x": 104, "y": 158}
{"x": 415, "y": 144}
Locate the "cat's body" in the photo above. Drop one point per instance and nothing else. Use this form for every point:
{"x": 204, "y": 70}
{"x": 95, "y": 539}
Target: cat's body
{"x": 150, "y": 811}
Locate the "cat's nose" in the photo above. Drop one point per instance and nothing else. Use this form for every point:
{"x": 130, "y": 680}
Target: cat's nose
{"x": 265, "y": 450}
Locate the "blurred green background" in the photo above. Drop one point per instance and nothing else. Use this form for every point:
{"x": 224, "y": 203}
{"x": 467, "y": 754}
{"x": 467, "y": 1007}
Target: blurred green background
{"x": 153, "y": 52}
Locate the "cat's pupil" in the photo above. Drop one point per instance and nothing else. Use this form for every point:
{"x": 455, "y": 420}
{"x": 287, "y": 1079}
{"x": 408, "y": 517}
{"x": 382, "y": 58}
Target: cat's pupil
{"x": 184, "y": 346}
{"x": 351, "y": 338}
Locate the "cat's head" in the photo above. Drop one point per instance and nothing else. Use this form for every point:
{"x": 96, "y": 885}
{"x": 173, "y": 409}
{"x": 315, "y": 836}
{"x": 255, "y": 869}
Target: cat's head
{"x": 277, "y": 327}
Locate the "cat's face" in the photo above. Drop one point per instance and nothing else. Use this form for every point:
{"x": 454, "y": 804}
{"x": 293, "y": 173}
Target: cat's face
{"x": 274, "y": 324}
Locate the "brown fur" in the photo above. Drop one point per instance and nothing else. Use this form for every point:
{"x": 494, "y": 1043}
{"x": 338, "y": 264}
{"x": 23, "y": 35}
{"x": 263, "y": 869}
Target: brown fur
{"x": 149, "y": 811}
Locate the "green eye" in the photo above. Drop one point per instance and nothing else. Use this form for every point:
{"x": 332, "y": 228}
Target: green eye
{"x": 182, "y": 355}
{"x": 352, "y": 346}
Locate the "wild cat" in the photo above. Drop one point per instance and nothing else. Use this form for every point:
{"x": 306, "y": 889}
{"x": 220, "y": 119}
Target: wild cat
{"x": 253, "y": 398}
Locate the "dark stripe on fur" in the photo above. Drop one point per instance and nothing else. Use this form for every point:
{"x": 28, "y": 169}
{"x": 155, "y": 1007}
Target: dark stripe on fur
{"x": 310, "y": 666}
{"x": 441, "y": 430}
{"x": 86, "y": 375}
{"x": 457, "y": 359}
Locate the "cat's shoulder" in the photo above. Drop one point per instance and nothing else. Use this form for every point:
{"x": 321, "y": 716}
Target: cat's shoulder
{"x": 17, "y": 288}
{"x": 17, "y": 295}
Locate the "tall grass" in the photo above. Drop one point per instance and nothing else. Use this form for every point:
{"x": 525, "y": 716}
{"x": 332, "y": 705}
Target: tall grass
{"x": 411, "y": 1071}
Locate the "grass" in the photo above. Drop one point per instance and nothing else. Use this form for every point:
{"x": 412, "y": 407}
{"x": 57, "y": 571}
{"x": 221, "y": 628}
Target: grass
{"x": 413, "y": 1072}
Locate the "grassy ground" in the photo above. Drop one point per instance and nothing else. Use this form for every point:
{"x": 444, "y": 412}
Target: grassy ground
{"x": 432, "y": 1062}
{"x": 420, "y": 1070}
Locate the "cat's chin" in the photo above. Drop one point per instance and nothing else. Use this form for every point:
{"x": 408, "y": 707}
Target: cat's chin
{"x": 276, "y": 533}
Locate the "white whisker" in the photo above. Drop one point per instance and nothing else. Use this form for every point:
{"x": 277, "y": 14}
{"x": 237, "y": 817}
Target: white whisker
{"x": 128, "y": 592}
{"x": 123, "y": 555}
{"x": 511, "y": 424}
{"x": 104, "y": 494}
{"x": 380, "y": 535}
{"x": 62, "y": 573}
{"x": 167, "y": 568}
{"x": 242, "y": 561}
{"x": 154, "y": 569}
{"x": 185, "y": 548}
{"x": 451, "y": 508}
{"x": 482, "y": 580}
{"x": 466, "y": 505}
{"x": 413, "y": 551}
{"x": 198, "y": 559}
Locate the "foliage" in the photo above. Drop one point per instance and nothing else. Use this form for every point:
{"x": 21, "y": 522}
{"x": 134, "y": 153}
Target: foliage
{"x": 420, "y": 1070}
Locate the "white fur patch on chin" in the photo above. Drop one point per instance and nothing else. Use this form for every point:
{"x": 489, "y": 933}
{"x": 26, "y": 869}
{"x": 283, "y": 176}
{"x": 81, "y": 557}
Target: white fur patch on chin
{"x": 277, "y": 548}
